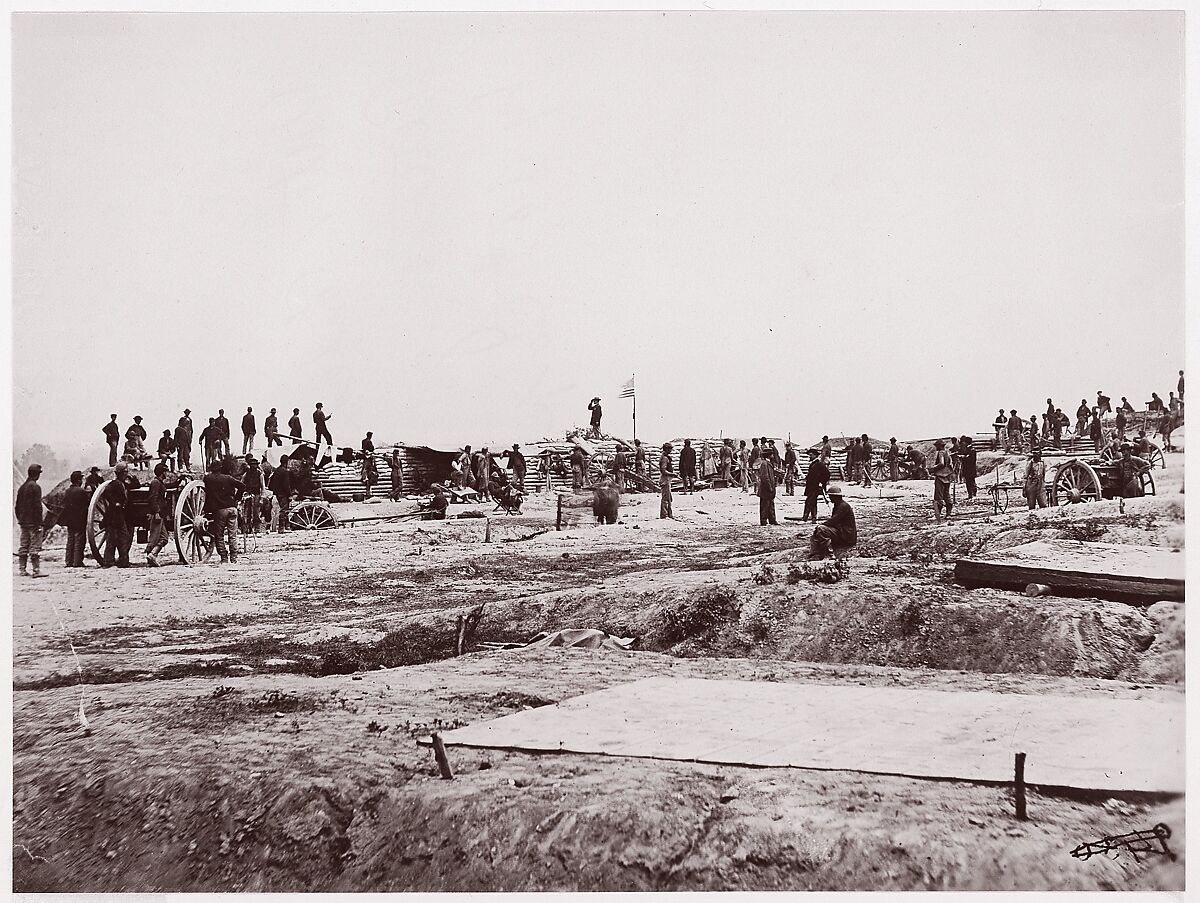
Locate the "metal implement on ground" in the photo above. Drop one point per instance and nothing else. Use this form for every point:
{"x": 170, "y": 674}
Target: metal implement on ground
{"x": 1137, "y": 843}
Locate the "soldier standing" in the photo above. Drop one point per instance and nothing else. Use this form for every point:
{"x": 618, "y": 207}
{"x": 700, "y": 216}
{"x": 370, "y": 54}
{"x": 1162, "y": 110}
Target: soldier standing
{"x": 30, "y": 518}
{"x": 397, "y": 475}
{"x": 1035, "y": 481}
{"x": 294, "y": 427}
{"x": 597, "y": 413}
{"x": 221, "y": 422}
{"x": 112, "y": 435}
{"x": 249, "y": 431}
{"x": 687, "y": 466}
{"x": 321, "y": 419}
{"x": 160, "y": 516}
{"x": 271, "y": 429}
{"x": 766, "y": 492}
{"x": 183, "y": 444}
{"x": 789, "y": 469}
{"x": 665, "y": 472}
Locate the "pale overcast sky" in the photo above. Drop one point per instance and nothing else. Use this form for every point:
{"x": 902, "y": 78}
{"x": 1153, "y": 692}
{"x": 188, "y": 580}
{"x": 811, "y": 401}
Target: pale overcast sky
{"x": 458, "y": 228}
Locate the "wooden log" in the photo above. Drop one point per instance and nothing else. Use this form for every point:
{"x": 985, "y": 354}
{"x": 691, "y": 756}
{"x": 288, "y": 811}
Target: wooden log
{"x": 1124, "y": 573}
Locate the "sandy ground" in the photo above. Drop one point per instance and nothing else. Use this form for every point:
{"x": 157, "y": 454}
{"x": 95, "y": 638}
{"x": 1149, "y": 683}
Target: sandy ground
{"x": 252, "y": 726}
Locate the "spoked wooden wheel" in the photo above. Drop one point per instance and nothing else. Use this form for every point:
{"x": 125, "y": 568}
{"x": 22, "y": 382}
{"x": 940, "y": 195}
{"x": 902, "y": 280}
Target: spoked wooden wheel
{"x": 1147, "y": 482}
{"x": 192, "y": 539}
{"x": 95, "y": 521}
{"x": 880, "y": 471}
{"x": 1156, "y": 457}
{"x": 1074, "y": 482}
{"x": 312, "y": 516}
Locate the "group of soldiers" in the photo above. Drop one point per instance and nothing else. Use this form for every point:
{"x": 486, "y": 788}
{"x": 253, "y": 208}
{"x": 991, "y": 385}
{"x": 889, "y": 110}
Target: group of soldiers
{"x": 176, "y": 447}
{"x": 1015, "y": 433}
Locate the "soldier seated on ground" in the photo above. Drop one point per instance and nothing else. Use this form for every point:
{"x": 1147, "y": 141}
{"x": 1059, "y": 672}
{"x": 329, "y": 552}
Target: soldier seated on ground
{"x": 436, "y": 509}
{"x": 837, "y": 535}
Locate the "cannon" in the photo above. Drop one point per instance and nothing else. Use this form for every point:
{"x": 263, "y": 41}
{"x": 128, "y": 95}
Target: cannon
{"x": 1074, "y": 481}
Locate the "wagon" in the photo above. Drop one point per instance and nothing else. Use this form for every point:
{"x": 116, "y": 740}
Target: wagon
{"x": 1073, "y": 481}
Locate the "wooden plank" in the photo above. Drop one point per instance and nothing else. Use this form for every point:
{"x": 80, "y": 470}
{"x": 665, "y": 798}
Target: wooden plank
{"x": 1089, "y": 743}
{"x": 1123, "y": 573}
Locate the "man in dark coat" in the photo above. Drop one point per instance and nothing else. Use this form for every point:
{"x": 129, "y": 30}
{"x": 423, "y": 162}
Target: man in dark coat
{"x": 253, "y": 478}
{"x": 295, "y": 428}
{"x": 838, "y": 532}
{"x": 766, "y": 492}
{"x": 789, "y": 469}
{"x": 74, "y": 517}
{"x": 968, "y": 466}
{"x": 221, "y": 422}
{"x": 92, "y": 481}
{"x": 597, "y": 413}
{"x": 112, "y": 435}
{"x": 578, "y": 471}
{"x": 397, "y": 468}
{"x": 321, "y": 420}
{"x": 30, "y": 518}
{"x": 249, "y": 431}
{"x": 183, "y": 444}
{"x": 221, "y": 493}
{"x": 161, "y": 516}
{"x": 814, "y": 484}
{"x": 687, "y": 466}
{"x": 281, "y": 487}
{"x": 166, "y": 448}
{"x": 893, "y": 458}
{"x": 620, "y": 463}
{"x": 639, "y": 458}
{"x": 271, "y": 429}
{"x": 516, "y": 460}
{"x": 118, "y": 535}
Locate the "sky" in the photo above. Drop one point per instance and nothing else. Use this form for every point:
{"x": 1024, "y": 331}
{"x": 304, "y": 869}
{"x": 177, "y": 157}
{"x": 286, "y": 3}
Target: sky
{"x": 455, "y": 228}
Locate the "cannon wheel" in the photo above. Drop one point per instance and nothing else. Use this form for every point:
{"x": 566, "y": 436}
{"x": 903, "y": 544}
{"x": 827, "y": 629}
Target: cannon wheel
{"x": 1075, "y": 481}
{"x": 880, "y": 471}
{"x": 1156, "y": 457}
{"x": 95, "y": 521}
{"x": 1147, "y": 483}
{"x": 312, "y": 515}
{"x": 192, "y": 539}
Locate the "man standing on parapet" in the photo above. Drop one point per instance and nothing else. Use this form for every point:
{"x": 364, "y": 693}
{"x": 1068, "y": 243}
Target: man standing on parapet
{"x": 597, "y": 413}
{"x": 112, "y": 435}
{"x": 687, "y": 466}
{"x": 249, "y": 431}
{"x": 666, "y": 470}
{"x": 294, "y": 427}
{"x": 766, "y": 492}
{"x": 1082, "y": 413}
{"x": 271, "y": 429}
{"x": 30, "y": 519}
{"x": 1035, "y": 481}
{"x": 183, "y": 444}
{"x": 222, "y": 424}
{"x": 320, "y": 418}
{"x": 1014, "y": 433}
{"x": 1104, "y": 403}
{"x": 1000, "y": 424}
{"x": 137, "y": 435}
{"x": 1048, "y": 419}
{"x": 839, "y": 531}
{"x": 1097, "y": 433}
{"x": 1061, "y": 421}
{"x": 815, "y": 481}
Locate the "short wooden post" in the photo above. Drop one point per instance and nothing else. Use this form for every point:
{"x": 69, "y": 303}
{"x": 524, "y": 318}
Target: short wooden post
{"x": 439, "y": 753}
{"x": 558, "y": 517}
{"x": 487, "y": 529}
{"x": 1019, "y": 786}
{"x": 459, "y": 631}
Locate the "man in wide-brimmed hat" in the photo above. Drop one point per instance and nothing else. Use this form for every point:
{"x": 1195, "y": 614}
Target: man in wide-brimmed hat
{"x": 838, "y": 532}
{"x": 666, "y": 470}
{"x": 597, "y": 413}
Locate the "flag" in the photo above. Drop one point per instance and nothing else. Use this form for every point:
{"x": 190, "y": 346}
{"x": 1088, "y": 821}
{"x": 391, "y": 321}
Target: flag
{"x": 627, "y": 389}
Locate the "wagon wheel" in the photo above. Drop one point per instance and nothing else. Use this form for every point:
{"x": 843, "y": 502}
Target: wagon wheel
{"x": 95, "y": 521}
{"x": 312, "y": 516}
{"x": 192, "y": 539}
{"x": 1155, "y": 456}
{"x": 880, "y": 471}
{"x": 1147, "y": 482}
{"x": 1075, "y": 481}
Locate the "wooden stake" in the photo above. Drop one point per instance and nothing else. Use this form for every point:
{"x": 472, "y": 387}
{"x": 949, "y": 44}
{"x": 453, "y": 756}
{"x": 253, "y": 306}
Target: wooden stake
{"x": 1018, "y": 786}
{"x": 487, "y": 529}
{"x": 459, "y": 629}
{"x": 439, "y": 753}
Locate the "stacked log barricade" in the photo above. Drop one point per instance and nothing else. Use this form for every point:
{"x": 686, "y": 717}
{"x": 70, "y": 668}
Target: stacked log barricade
{"x": 421, "y": 467}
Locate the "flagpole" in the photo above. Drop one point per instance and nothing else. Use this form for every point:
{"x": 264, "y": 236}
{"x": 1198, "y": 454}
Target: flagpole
{"x": 634, "y": 406}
